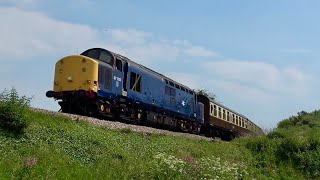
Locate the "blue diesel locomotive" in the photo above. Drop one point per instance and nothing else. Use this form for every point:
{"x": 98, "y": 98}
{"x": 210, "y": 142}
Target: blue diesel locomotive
{"x": 101, "y": 83}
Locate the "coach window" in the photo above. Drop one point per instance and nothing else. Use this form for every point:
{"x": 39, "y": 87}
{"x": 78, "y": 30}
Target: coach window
{"x": 215, "y": 110}
{"x": 119, "y": 64}
{"x": 135, "y": 82}
{"x": 233, "y": 119}
{"x": 228, "y": 116}
{"x": 224, "y": 114}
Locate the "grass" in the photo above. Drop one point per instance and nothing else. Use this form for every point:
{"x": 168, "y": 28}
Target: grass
{"x": 54, "y": 147}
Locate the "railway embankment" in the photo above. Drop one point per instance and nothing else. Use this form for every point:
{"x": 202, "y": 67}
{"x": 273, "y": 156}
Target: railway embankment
{"x": 36, "y": 144}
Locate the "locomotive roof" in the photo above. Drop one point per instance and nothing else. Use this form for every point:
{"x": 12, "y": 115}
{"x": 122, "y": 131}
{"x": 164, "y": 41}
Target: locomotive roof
{"x": 119, "y": 56}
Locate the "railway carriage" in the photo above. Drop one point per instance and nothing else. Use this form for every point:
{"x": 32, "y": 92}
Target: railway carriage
{"x": 223, "y": 122}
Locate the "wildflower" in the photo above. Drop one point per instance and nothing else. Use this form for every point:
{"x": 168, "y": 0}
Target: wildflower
{"x": 29, "y": 162}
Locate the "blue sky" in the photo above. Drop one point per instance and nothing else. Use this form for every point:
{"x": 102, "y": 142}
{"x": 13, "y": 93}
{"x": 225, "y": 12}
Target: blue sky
{"x": 259, "y": 58}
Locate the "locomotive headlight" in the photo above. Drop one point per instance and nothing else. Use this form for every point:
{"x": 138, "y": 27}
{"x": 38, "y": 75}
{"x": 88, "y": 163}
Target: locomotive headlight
{"x": 88, "y": 81}
{"x": 69, "y": 78}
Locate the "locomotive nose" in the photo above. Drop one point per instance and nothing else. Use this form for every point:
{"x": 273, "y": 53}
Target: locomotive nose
{"x": 74, "y": 73}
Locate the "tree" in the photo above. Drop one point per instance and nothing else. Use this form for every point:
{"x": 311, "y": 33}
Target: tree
{"x": 206, "y": 93}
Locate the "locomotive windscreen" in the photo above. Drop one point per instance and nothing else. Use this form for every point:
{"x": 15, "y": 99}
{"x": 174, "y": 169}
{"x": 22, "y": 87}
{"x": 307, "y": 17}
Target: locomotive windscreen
{"x": 99, "y": 54}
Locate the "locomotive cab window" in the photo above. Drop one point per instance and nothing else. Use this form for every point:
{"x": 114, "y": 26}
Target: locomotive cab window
{"x": 135, "y": 82}
{"x": 119, "y": 64}
{"x": 99, "y": 54}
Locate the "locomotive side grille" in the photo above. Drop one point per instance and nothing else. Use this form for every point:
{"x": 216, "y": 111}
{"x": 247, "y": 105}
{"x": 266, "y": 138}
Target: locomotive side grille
{"x": 105, "y": 77}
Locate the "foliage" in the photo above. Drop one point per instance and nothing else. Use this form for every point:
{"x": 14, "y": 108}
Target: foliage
{"x": 295, "y": 143}
{"x": 206, "y": 93}
{"x": 303, "y": 118}
{"x": 13, "y": 111}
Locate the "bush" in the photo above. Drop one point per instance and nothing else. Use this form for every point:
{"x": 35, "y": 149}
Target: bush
{"x": 13, "y": 111}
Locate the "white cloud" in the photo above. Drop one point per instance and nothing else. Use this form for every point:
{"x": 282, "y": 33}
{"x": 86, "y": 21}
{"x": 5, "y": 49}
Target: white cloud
{"x": 199, "y": 51}
{"x": 129, "y": 36}
{"x": 22, "y": 1}
{"x": 145, "y": 47}
{"x": 189, "y": 79}
{"x": 26, "y": 4}
{"x": 266, "y": 77}
{"x": 27, "y": 34}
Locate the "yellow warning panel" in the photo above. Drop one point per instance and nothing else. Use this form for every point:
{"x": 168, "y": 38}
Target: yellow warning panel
{"x": 76, "y": 72}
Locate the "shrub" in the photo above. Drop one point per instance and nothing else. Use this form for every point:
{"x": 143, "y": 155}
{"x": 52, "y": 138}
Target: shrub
{"x": 13, "y": 110}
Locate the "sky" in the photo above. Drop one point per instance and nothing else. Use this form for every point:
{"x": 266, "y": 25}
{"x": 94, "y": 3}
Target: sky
{"x": 260, "y": 58}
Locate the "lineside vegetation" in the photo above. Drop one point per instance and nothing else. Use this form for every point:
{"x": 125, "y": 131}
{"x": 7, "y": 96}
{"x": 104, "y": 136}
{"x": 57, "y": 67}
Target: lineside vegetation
{"x": 53, "y": 147}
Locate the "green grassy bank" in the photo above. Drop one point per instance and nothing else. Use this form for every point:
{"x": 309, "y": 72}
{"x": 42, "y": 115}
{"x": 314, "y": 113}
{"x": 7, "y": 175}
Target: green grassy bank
{"x": 54, "y": 147}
